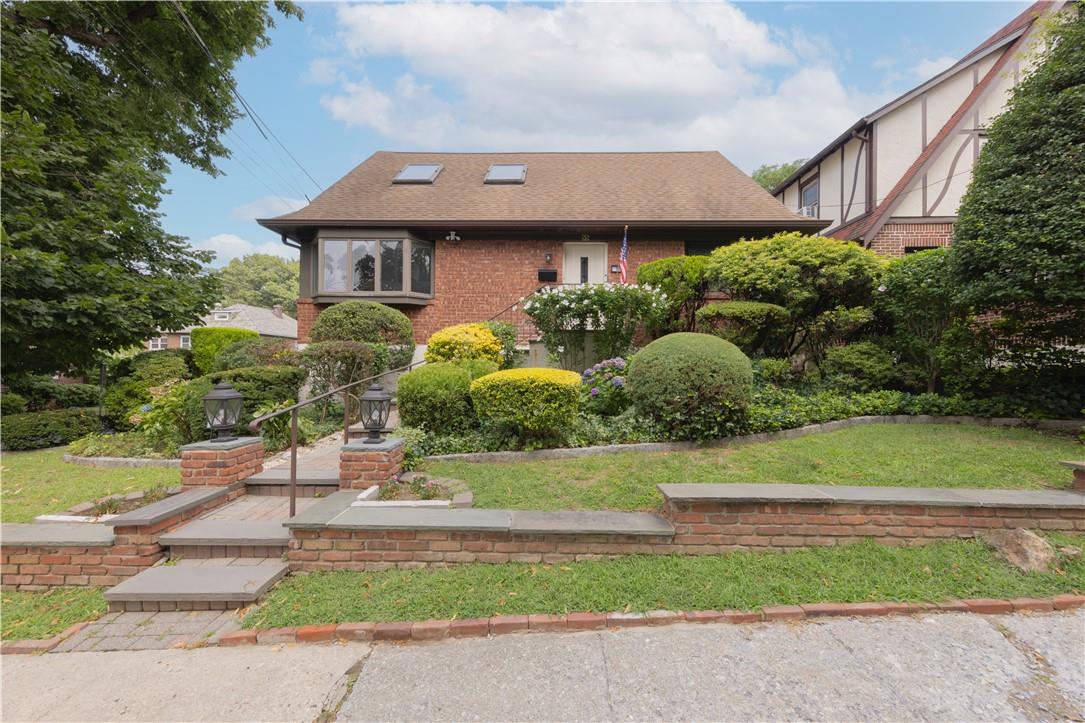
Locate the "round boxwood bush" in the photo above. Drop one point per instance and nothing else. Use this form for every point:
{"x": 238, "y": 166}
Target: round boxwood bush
{"x": 697, "y": 386}
{"x": 370, "y": 322}
{"x": 463, "y": 341}
{"x": 12, "y": 403}
{"x": 437, "y": 397}
{"x": 535, "y": 402}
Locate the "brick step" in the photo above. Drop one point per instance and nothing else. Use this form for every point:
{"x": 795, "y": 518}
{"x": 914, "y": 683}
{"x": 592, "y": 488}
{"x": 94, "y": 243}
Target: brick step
{"x": 218, "y": 584}
{"x": 310, "y": 482}
{"x": 227, "y": 538}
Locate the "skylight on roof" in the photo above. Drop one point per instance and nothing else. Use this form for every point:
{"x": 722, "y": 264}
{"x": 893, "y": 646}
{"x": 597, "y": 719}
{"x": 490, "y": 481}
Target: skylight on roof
{"x": 506, "y": 173}
{"x": 418, "y": 173}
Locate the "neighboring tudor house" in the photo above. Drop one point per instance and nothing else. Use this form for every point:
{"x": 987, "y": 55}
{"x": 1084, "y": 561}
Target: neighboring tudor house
{"x": 269, "y": 323}
{"x": 457, "y": 237}
{"x": 893, "y": 180}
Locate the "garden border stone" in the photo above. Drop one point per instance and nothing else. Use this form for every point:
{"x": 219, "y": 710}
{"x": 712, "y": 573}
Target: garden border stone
{"x": 574, "y": 452}
{"x": 118, "y": 462}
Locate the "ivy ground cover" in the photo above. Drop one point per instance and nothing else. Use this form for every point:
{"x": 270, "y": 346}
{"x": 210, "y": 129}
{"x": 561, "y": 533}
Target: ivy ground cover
{"x": 912, "y": 455}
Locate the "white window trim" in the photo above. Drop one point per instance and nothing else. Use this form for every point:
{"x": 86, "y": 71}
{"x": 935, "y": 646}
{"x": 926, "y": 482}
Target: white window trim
{"x": 408, "y": 243}
{"x": 159, "y": 343}
{"x": 185, "y": 341}
{"x": 221, "y": 315}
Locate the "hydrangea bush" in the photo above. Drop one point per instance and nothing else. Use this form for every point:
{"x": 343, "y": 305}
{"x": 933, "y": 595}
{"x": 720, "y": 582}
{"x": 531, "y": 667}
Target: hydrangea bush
{"x": 604, "y": 390}
{"x": 611, "y": 313}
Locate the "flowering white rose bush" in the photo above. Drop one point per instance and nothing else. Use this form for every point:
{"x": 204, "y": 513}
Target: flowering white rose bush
{"x": 611, "y": 313}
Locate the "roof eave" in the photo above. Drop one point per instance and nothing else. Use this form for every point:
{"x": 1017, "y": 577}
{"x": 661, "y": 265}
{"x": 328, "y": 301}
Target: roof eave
{"x": 284, "y": 226}
{"x": 819, "y": 156}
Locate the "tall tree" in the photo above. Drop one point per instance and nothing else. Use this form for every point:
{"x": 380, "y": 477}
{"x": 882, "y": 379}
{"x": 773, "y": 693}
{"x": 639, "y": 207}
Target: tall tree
{"x": 95, "y": 96}
{"x": 770, "y": 176}
{"x": 1019, "y": 243}
{"x": 261, "y": 280}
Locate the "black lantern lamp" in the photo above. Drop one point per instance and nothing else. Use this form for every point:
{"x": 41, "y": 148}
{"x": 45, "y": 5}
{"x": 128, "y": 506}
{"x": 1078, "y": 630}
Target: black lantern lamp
{"x": 222, "y": 408}
{"x": 376, "y": 404}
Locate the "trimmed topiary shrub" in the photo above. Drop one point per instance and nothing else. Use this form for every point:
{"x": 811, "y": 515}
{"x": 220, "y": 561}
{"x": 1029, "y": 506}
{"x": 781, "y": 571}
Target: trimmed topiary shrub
{"x": 684, "y": 279}
{"x": 38, "y": 430}
{"x": 263, "y": 385}
{"x": 68, "y": 396}
{"x": 436, "y": 397}
{"x": 506, "y": 334}
{"x": 257, "y": 352}
{"x": 12, "y": 403}
{"x": 537, "y": 403}
{"x": 370, "y": 322}
{"x": 696, "y": 385}
{"x": 860, "y": 367}
{"x": 154, "y": 366}
{"x": 208, "y": 341}
{"x": 753, "y": 326}
{"x": 463, "y": 341}
{"x": 476, "y": 368}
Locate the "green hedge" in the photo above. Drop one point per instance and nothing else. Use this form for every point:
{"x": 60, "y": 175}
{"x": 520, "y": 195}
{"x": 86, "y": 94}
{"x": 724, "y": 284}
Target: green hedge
{"x": 695, "y": 385}
{"x": 43, "y": 392}
{"x": 537, "y": 403}
{"x": 370, "y": 322}
{"x": 12, "y": 403}
{"x": 208, "y": 341}
{"x": 437, "y": 397}
{"x": 155, "y": 366}
{"x": 37, "y": 430}
{"x": 753, "y": 326}
{"x": 255, "y": 353}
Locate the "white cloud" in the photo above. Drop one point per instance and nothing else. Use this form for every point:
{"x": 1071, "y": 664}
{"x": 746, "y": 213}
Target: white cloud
{"x": 267, "y": 207}
{"x": 927, "y": 68}
{"x": 229, "y": 246}
{"x": 595, "y": 76}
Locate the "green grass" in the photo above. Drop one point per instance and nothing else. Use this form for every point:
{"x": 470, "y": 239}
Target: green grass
{"x": 39, "y": 615}
{"x": 927, "y": 455}
{"x": 41, "y": 482}
{"x": 740, "y": 580}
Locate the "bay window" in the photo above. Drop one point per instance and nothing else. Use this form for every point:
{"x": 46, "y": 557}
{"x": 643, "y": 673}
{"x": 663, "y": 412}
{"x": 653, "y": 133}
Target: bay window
{"x": 388, "y": 267}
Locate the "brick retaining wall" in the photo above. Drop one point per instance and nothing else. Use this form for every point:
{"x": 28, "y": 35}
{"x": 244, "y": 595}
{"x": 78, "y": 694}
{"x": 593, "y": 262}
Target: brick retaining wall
{"x": 221, "y": 463}
{"x": 706, "y": 519}
{"x": 134, "y": 548}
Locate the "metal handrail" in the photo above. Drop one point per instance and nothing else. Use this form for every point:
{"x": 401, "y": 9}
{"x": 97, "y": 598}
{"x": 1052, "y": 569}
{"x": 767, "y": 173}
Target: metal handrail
{"x": 292, "y": 410}
{"x": 514, "y": 304}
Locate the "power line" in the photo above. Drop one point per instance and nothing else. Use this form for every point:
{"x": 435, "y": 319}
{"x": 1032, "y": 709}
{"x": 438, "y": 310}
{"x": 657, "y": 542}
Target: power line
{"x": 233, "y": 86}
{"x": 154, "y": 79}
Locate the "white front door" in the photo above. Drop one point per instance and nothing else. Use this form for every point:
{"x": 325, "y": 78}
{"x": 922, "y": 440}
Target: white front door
{"x": 585, "y": 263}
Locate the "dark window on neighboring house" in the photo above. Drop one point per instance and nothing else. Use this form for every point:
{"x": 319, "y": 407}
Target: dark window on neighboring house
{"x": 809, "y": 197}
{"x": 917, "y": 249}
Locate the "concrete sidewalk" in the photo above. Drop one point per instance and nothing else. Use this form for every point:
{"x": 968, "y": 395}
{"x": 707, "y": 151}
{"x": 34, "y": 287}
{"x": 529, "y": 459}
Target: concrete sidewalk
{"x": 933, "y": 667}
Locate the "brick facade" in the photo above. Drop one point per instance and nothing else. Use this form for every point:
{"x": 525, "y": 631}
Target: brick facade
{"x": 894, "y": 239}
{"x": 214, "y": 464}
{"x": 476, "y": 279}
{"x": 701, "y": 528}
{"x": 362, "y": 466}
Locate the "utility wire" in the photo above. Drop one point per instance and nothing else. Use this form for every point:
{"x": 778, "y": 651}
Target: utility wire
{"x": 254, "y": 157}
{"x": 233, "y": 86}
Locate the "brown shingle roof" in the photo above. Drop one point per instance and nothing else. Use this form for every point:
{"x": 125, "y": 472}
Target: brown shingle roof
{"x": 693, "y": 187}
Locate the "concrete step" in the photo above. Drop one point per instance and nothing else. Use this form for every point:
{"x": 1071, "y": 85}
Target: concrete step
{"x": 217, "y": 584}
{"x": 310, "y": 482}
{"x": 227, "y": 538}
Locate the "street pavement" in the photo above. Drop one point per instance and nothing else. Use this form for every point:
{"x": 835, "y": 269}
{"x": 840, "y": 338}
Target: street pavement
{"x": 935, "y": 667}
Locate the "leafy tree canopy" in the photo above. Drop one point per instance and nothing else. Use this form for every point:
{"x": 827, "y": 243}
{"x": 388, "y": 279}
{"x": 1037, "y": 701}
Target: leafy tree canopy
{"x": 1019, "y": 242}
{"x": 95, "y": 97}
{"x": 770, "y": 176}
{"x": 261, "y": 280}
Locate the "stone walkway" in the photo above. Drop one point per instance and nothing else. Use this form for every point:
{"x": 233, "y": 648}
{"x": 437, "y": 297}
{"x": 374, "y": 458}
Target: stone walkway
{"x": 153, "y": 631}
{"x": 251, "y": 508}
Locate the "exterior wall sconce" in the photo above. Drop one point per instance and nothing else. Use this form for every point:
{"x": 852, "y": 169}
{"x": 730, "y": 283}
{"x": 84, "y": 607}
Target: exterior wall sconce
{"x": 549, "y": 257}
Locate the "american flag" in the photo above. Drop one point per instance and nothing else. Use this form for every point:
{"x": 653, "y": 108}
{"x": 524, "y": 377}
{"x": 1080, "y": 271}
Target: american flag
{"x": 623, "y": 258}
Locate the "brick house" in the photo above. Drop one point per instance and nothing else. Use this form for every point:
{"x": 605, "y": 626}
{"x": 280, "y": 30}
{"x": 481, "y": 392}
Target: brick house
{"x": 894, "y": 179}
{"x": 450, "y": 238}
{"x": 269, "y": 323}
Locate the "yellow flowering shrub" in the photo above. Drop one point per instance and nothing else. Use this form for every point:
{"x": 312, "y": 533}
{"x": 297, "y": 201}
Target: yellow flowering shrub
{"x": 536, "y": 402}
{"x": 463, "y": 341}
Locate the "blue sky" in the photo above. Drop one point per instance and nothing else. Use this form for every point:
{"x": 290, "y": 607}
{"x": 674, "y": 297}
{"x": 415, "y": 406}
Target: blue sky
{"x": 761, "y": 82}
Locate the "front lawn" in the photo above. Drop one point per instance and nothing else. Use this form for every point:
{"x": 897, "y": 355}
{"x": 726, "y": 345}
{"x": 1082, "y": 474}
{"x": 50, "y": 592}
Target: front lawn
{"x": 41, "y": 482}
{"x": 912, "y": 455}
{"x": 862, "y": 572}
{"x": 39, "y": 615}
